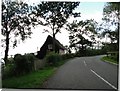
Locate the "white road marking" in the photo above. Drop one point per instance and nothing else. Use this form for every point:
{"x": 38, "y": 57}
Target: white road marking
{"x": 85, "y": 63}
{"x": 103, "y": 79}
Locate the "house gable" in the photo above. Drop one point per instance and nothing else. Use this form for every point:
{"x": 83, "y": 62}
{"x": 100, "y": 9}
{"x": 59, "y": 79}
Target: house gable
{"x": 48, "y": 46}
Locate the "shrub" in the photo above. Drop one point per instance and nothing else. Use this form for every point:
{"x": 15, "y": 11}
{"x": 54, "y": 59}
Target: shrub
{"x": 24, "y": 63}
{"x": 30, "y": 61}
{"x": 53, "y": 58}
{"x": 20, "y": 64}
{"x": 10, "y": 60}
{"x": 90, "y": 52}
{"x": 67, "y": 56}
{"x": 9, "y": 71}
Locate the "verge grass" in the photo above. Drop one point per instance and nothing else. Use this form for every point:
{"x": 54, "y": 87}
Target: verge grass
{"x": 109, "y": 59}
{"x": 31, "y": 80}
{"x": 34, "y": 79}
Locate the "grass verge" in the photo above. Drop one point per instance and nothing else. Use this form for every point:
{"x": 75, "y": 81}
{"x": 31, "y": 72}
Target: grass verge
{"x": 109, "y": 59}
{"x": 32, "y": 80}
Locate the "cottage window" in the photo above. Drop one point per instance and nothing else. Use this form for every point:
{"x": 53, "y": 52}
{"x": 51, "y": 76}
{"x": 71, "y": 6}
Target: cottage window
{"x": 50, "y": 46}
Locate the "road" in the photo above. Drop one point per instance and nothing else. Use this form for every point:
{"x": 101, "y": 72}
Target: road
{"x": 85, "y": 73}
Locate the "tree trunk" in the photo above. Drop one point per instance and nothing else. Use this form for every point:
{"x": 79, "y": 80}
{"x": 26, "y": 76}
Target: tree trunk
{"x": 7, "y": 48}
{"x": 118, "y": 26}
{"x": 54, "y": 42}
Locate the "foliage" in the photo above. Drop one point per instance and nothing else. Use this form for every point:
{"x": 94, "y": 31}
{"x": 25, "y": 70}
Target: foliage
{"x": 94, "y": 52}
{"x": 20, "y": 65}
{"x": 15, "y": 23}
{"x": 24, "y": 63}
{"x": 53, "y": 58}
{"x": 111, "y": 13}
{"x": 110, "y": 25}
{"x": 111, "y": 19}
{"x": 8, "y": 71}
{"x": 110, "y": 47}
{"x": 30, "y": 58}
{"x": 32, "y": 80}
{"x": 54, "y": 15}
{"x": 68, "y": 56}
{"x": 90, "y": 52}
{"x": 78, "y": 29}
{"x": 10, "y": 60}
{"x": 112, "y": 59}
{"x": 68, "y": 49}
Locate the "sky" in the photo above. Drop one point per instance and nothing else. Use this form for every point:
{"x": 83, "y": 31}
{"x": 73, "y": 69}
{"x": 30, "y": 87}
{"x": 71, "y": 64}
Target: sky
{"x": 88, "y": 10}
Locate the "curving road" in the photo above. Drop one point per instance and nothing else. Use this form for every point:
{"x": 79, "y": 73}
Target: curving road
{"x": 85, "y": 73}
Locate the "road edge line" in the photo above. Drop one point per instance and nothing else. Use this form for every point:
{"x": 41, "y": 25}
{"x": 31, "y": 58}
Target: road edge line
{"x": 110, "y": 62}
{"x": 85, "y": 63}
{"x": 103, "y": 79}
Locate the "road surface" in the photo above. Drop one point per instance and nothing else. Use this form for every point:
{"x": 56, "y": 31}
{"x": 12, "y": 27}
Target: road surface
{"x": 85, "y": 73}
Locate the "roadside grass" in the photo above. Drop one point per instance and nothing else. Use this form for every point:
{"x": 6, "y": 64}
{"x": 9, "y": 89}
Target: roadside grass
{"x": 109, "y": 59}
{"x": 32, "y": 80}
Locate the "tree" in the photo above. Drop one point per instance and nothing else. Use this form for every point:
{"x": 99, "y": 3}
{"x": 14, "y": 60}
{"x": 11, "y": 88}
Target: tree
{"x": 83, "y": 43}
{"x": 77, "y": 30}
{"x": 72, "y": 28}
{"x": 55, "y": 15}
{"x": 111, "y": 13}
{"x": 15, "y": 23}
{"x": 68, "y": 50}
{"x": 111, "y": 18}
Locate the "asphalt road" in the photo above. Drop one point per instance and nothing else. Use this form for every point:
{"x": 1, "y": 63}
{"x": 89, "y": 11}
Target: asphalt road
{"x": 85, "y": 73}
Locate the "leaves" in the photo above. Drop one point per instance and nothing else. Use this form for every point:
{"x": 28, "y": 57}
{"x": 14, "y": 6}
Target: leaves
{"x": 55, "y": 14}
{"x": 111, "y": 20}
{"x": 111, "y": 12}
{"x": 15, "y": 23}
{"x": 80, "y": 28}
{"x": 15, "y": 19}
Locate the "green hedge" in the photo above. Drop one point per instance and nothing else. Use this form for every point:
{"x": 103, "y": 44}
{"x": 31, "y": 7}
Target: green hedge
{"x": 68, "y": 56}
{"x": 53, "y": 58}
{"x": 20, "y": 65}
{"x": 24, "y": 63}
{"x": 90, "y": 52}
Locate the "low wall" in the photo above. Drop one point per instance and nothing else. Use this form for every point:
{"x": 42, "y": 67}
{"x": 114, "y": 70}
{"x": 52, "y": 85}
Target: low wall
{"x": 38, "y": 64}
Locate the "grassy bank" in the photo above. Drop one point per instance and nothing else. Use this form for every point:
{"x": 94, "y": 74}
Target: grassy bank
{"x": 32, "y": 80}
{"x": 109, "y": 59}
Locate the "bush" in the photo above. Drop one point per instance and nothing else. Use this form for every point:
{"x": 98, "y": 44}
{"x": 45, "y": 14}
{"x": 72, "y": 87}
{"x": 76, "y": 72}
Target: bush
{"x": 30, "y": 60}
{"x": 90, "y": 52}
{"x": 24, "y": 63}
{"x": 68, "y": 56}
{"x": 53, "y": 58}
{"x": 20, "y": 64}
{"x": 9, "y": 71}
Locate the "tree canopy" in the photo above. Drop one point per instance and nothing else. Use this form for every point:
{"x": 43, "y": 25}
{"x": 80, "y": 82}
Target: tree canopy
{"x": 111, "y": 18}
{"x": 15, "y": 23}
{"x": 55, "y": 15}
{"x": 77, "y": 30}
{"x": 111, "y": 23}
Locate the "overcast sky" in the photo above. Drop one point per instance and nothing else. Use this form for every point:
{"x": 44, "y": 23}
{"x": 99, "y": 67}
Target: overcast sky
{"x": 89, "y": 10}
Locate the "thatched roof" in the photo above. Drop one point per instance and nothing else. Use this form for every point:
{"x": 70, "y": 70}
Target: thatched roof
{"x": 57, "y": 43}
{"x": 43, "y": 50}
